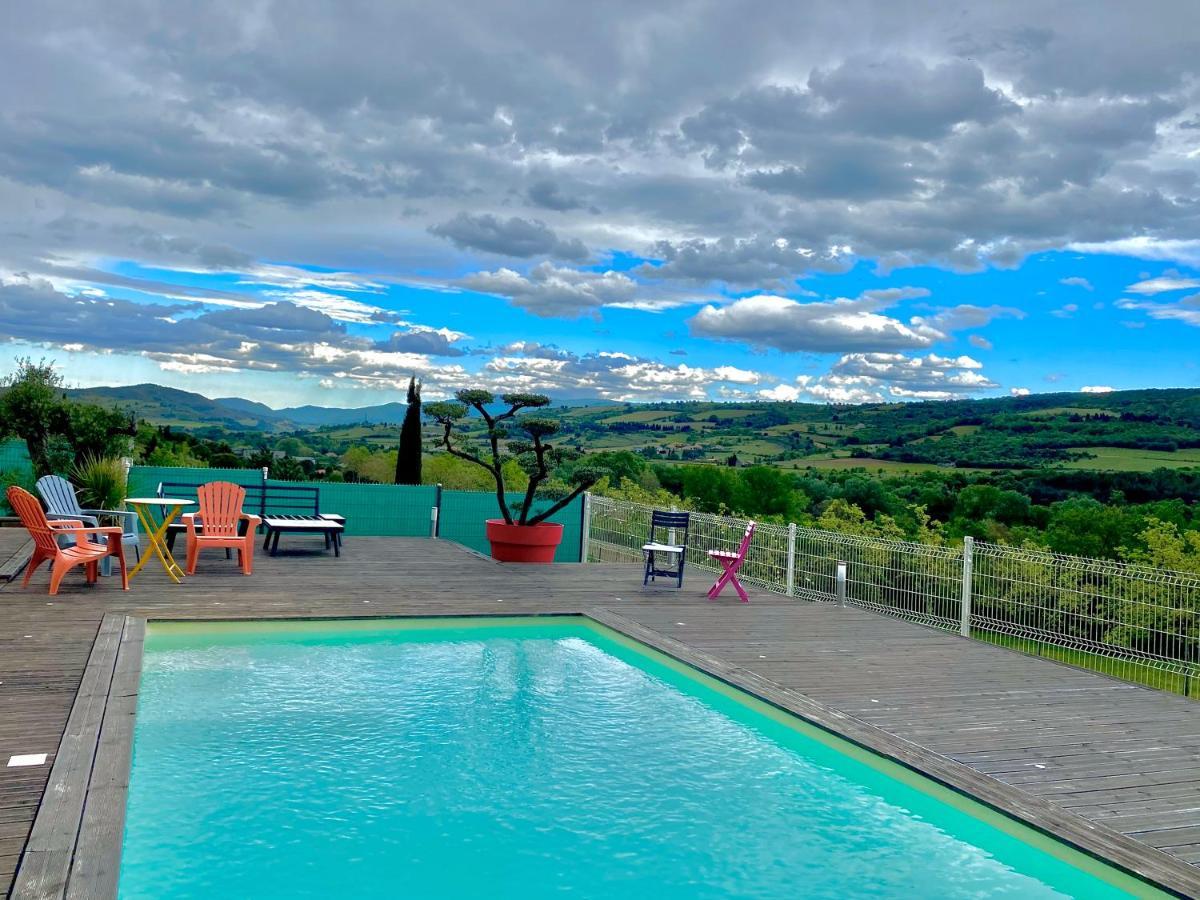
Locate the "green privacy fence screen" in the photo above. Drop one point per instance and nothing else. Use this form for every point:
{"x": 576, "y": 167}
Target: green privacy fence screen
{"x": 14, "y": 457}
{"x": 395, "y": 510}
{"x": 15, "y": 468}
{"x": 463, "y": 514}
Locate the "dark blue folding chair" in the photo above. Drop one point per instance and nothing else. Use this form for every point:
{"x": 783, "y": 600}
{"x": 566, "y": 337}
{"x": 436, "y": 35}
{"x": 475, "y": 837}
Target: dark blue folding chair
{"x": 670, "y": 550}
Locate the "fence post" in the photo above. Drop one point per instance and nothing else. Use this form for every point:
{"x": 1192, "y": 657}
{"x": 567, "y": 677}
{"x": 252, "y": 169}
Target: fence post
{"x": 585, "y": 526}
{"x": 791, "y": 560}
{"x": 435, "y": 513}
{"x": 968, "y": 568}
{"x": 262, "y": 505}
{"x": 841, "y": 583}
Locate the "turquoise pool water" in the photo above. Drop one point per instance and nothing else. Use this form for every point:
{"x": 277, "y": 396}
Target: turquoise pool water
{"x": 518, "y": 759}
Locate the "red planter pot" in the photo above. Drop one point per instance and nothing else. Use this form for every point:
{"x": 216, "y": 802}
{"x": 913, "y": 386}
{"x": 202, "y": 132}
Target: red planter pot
{"x": 524, "y": 543}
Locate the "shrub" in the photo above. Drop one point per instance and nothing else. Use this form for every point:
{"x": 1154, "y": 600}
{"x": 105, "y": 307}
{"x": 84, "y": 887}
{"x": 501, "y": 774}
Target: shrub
{"x": 536, "y": 456}
{"x": 101, "y": 481}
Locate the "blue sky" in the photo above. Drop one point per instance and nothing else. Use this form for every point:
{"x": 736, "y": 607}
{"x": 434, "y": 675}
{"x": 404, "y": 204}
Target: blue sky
{"x": 784, "y": 206}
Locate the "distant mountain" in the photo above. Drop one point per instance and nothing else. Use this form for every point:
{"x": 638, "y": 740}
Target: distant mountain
{"x": 170, "y": 406}
{"x": 318, "y": 416}
{"x": 248, "y": 406}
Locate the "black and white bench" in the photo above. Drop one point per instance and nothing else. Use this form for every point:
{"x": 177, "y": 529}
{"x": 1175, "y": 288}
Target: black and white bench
{"x": 283, "y": 508}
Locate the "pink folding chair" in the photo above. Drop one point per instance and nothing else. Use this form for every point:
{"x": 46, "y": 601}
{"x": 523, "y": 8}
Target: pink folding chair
{"x": 731, "y": 562}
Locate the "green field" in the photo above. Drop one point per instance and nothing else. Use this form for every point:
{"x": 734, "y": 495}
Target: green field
{"x": 823, "y": 461}
{"x": 1051, "y": 411}
{"x": 643, "y": 415}
{"x": 1124, "y": 459}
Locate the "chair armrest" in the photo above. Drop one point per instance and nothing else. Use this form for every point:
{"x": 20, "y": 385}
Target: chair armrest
{"x": 119, "y": 513}
{"x": 65, "y": 524}
{"x": 253, "y": 521}
{"x": 72, "y": 517}
{"x": 81, "y": 532}
{"x": 189, "y": 521}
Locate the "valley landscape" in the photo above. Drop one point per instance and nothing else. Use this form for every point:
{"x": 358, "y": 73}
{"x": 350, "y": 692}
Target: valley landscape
{"x": 1113, "y": 474}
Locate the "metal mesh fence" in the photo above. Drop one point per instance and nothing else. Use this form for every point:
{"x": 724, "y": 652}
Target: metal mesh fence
{"x": 617, "y": 530}
{"x": 1134, "y": 622}
{"x": 919, "y": 582}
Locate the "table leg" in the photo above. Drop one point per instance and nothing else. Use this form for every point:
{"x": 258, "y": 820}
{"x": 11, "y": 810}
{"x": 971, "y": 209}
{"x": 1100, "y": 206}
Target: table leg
{"x": 155, "y": 534}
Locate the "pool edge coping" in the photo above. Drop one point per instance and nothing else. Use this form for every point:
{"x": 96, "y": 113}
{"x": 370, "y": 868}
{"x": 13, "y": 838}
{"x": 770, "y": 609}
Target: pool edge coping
{"x": 74, "y": 846}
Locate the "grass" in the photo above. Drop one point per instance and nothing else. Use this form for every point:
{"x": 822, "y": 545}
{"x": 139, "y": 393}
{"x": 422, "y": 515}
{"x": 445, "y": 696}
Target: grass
{"x": 642, "y": 415}
{"x": 823, "y": 461}
{"x": 1172, "y": 682}
{"x": 1052, "y": 411}
{"x": 1125, "y": 459}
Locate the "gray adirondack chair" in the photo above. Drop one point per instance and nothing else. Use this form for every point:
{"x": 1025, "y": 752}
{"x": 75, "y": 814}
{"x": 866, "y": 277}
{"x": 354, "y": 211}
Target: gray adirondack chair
{"x": 61, "y": 503}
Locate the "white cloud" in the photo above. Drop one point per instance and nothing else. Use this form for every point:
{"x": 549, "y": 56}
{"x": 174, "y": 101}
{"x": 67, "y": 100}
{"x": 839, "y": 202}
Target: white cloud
{"x": 1161, "y": 249}
{"x": 978, "y": 340}
{"x": 550, "y": 290}
{"x": 879, "y": 377}
{"x": 613, "y": 376}
{"x": 1096, "y": 389}
{"x": 1162, "y": 285}
{"x": 1077, "y": 281}
{"x": 1019, "y": 391}
{"x": 967, "y": 315}
{"x": 1065, "y": 312}
{"x": 337, "y": 307}
{"x": 736, "y": 375}
{"x": 817, "y": 326}
{"x": 785, "y": 392}
{"x": 1185, "y": 310}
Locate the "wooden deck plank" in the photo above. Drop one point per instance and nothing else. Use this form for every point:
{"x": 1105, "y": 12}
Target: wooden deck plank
{"x": 1114, "y": 753}
{"x": 15, "y": 547}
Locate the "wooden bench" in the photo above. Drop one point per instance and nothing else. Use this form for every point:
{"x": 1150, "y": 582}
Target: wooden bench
{"x": 283, "y": 508}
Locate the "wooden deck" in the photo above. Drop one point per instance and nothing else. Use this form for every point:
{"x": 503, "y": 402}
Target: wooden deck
{"x": 1122, "y": 756}
{"x": 15, "y": 547}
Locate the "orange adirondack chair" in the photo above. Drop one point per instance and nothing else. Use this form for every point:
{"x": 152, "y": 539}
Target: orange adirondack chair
{"x": 220, "y": 517}
{"x": 45, "y": 534}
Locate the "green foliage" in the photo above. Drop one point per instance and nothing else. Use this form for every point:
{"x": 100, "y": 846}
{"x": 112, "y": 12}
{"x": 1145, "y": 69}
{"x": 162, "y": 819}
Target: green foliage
{"x": 291, "y": 446}
{"x": 288, "y": 469}
{"x": 21, "y": 478}
{"x": 364, "y": 464}
{"x": 445, "y": 411}
{"x": 535, "y": 457}
{"x": 408, "y": 459}
{"x": 31, "y": 407}
{"x": 101, "y": 481}
{"x": 522, "y": 401}
{"x": 1165, "y": 546}
{"x": 57, "y": 431}
{"x": 539, "y": 427}
{"x": 475, "y": 397}
{"x": 459, "y": 475}
{"x": 171, "y": 454}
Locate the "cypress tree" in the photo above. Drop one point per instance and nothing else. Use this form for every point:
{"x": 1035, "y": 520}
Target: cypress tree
{"x": 408, "y": 459}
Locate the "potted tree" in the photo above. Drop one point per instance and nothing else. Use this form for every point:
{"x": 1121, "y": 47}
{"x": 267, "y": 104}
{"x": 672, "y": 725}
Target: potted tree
{"x": 519, "y": 535}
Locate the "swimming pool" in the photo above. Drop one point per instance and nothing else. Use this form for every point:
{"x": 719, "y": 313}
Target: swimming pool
{"x": 526, "y": 758}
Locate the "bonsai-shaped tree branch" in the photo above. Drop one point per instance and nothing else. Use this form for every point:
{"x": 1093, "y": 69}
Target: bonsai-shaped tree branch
{"x": 535, "y": 456}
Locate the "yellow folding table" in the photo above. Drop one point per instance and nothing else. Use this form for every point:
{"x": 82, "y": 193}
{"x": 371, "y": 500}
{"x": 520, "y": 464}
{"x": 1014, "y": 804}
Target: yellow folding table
{"x": 156, "y": 532}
